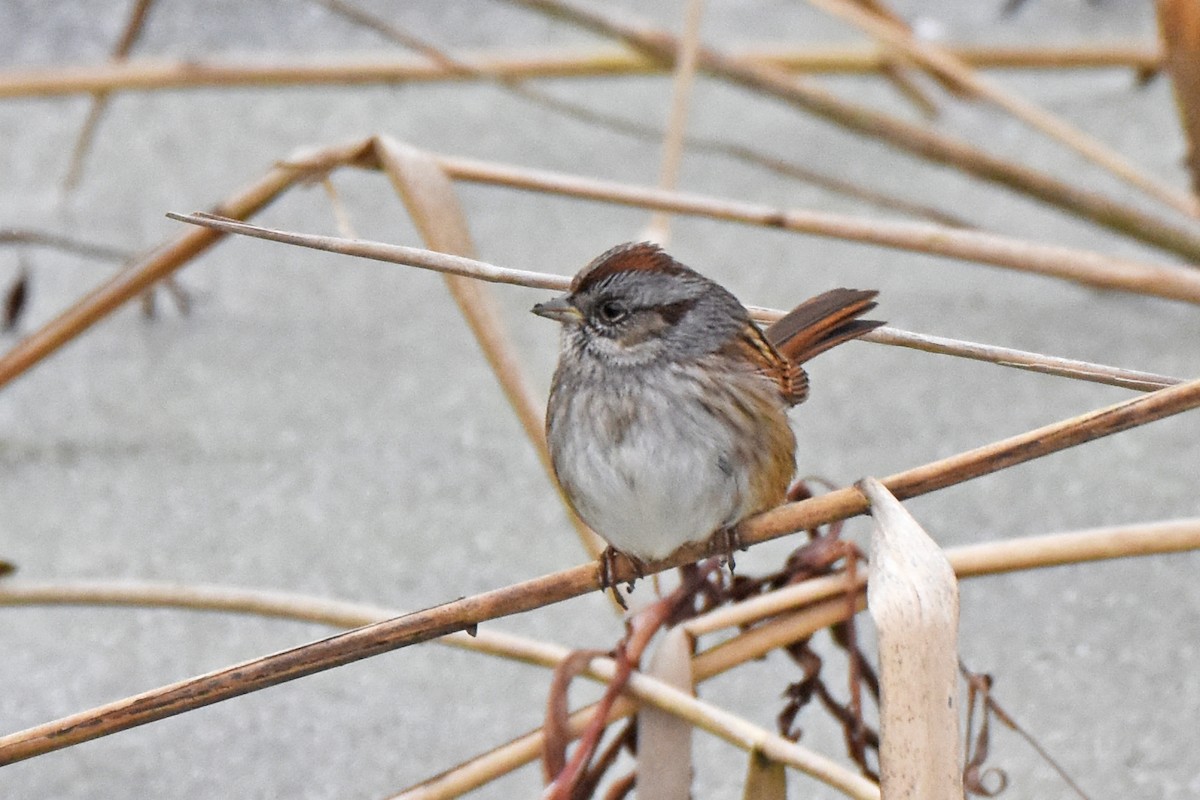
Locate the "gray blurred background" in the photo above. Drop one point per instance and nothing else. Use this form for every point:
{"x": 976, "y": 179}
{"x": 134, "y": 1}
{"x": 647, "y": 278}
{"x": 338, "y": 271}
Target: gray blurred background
{"x": 328, "y": 426}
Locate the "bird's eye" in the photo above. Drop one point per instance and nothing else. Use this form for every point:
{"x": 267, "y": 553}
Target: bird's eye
{"x": 610, "y": 311}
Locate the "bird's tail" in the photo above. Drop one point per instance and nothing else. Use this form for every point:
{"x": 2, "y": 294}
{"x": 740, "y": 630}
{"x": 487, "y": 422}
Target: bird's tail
{"x": 822, "y": 322}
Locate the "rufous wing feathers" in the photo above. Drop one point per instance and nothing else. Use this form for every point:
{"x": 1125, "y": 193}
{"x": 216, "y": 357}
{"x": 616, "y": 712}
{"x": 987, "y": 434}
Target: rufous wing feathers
{"x": 822, "y": 322}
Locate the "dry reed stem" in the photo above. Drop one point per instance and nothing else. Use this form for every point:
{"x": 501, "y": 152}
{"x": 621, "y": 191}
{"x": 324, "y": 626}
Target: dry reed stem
{"x": 1019, "y": 359}
{"x": 67, "y": 244}
{"x": 133, "y": 29}
{"x": 912, "y": 596}
{"x": 943, "y": 63}
{"x": 915, "y": 139}
{"x": 629, "y": 127}
{"x": 969, "y": 561}
{"x": 674, "y": 136}
{"x": 424, "y": 259}
{"x": 467, "y": 613}
{"x": 158, "y": 74}
{"x": 1081, "y": 266}
{"x": 753, "y": 738}
{"x": 664, "y": 742}
{"x": 824, "y": 604}
{"x": 1179, "y": 31}
{"x": 642, "y": 687}
{"x": 160, "y": 263}
{"x": 435, "y": 211}
{"x": 797, "y": 171}
{"x": 826, "y": 596}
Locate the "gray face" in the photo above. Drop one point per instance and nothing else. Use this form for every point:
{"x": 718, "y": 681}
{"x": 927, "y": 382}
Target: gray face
{"x": 637, "y": 317}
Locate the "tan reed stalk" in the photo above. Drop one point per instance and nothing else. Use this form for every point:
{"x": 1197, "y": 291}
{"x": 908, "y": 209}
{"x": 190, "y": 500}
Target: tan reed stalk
{"x": 133, "y": 29}
{"x": 942, "y": 62}
{"x": 1081, "y": 266}
{"x": 825, "y": 605}
{"x": 467, "y": 613}
{"x": 917, "y": 140}
{"x": 424, "y": 259}
{"x": 583, "y": 113}
{"x": 157, "y": 74}
{"x": 435, "y": 211}
{"x": 823, "y": 596}
{"x": 912, "y": 596}
{"x": 675, "y": 134}
{"x": 157, "y": 265}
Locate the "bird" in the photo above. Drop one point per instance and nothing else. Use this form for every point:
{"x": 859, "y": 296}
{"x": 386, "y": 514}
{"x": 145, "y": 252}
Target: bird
{"x": 667, "y": 421}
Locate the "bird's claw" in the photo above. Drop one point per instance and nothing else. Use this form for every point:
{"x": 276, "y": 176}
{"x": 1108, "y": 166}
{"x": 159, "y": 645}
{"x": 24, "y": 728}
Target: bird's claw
{"x": 608, "y": 571}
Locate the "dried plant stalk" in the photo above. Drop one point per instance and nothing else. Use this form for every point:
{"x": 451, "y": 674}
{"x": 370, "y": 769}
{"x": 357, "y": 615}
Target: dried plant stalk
{"x": 943, "y": 63}
{"x": 765, "y": 779}
{"x": 915, "y": 139}
{"x": 1035, "y": 362}
{"x": 162, "y": 262}
{"x": 1081, "y": 266}
{"x": 133, "y": 29}
{"x": 1075, "y": 265}
{"x": 467, "y": 613}
{"x": 825, "y": 594}
{"x": 659, "y": 227}
{"x": 664, "y": 754}
{"x": 157, "y": 74}
{"x": 630, "y": 127}
{"x": 66, "y": 244}
{"x": 434, "y": 209}
{"x": 913, "y": 597}
{"x": 438, "y": 262}
{"x": 1179, "y": 29}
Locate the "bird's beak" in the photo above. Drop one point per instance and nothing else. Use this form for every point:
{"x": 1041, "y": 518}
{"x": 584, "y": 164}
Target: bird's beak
{"x": 559, "y": 309}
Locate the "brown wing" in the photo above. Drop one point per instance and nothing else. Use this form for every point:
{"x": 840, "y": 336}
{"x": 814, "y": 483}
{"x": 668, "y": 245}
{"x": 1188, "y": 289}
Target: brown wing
{"x": 753, "y": 346}
{"x": 822, "y": 322}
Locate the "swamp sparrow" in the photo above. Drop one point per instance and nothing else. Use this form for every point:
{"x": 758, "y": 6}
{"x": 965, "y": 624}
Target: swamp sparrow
{"x": 667, "y": 421}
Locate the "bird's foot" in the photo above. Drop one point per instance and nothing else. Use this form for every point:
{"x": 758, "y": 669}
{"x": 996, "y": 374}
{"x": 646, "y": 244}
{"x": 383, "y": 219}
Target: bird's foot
{"x": 725, "y": 542}
{"x": 608, "y": 572}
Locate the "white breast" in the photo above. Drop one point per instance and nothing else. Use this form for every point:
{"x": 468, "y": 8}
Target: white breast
{"x": 646, "y": 471}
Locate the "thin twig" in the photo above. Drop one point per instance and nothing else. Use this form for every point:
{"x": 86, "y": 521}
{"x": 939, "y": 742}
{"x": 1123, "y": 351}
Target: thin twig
{"x": 441, "y": 262}
{"x": 429, "y": 195}
{"x": 675, "y": 135}
{"x": 968, "y": 561}
{"x": 133, "y": 29}
{"x": 628, "y": 127}
{"x": 789, "y": 625}
{"x": 66, "y": 244}
{"x": 1019, "y": 359}
{"x": 1082, "y": 266}
{"x": 468, "y": 613}
{"x": 162, "y": 262}
{"x": 944, "y": 63}
{"x": 915, "y": 139}
{"x": 147, "y": 74}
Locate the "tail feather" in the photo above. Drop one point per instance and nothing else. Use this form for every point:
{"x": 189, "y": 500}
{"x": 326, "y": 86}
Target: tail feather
{"x": 822, "y": 322}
